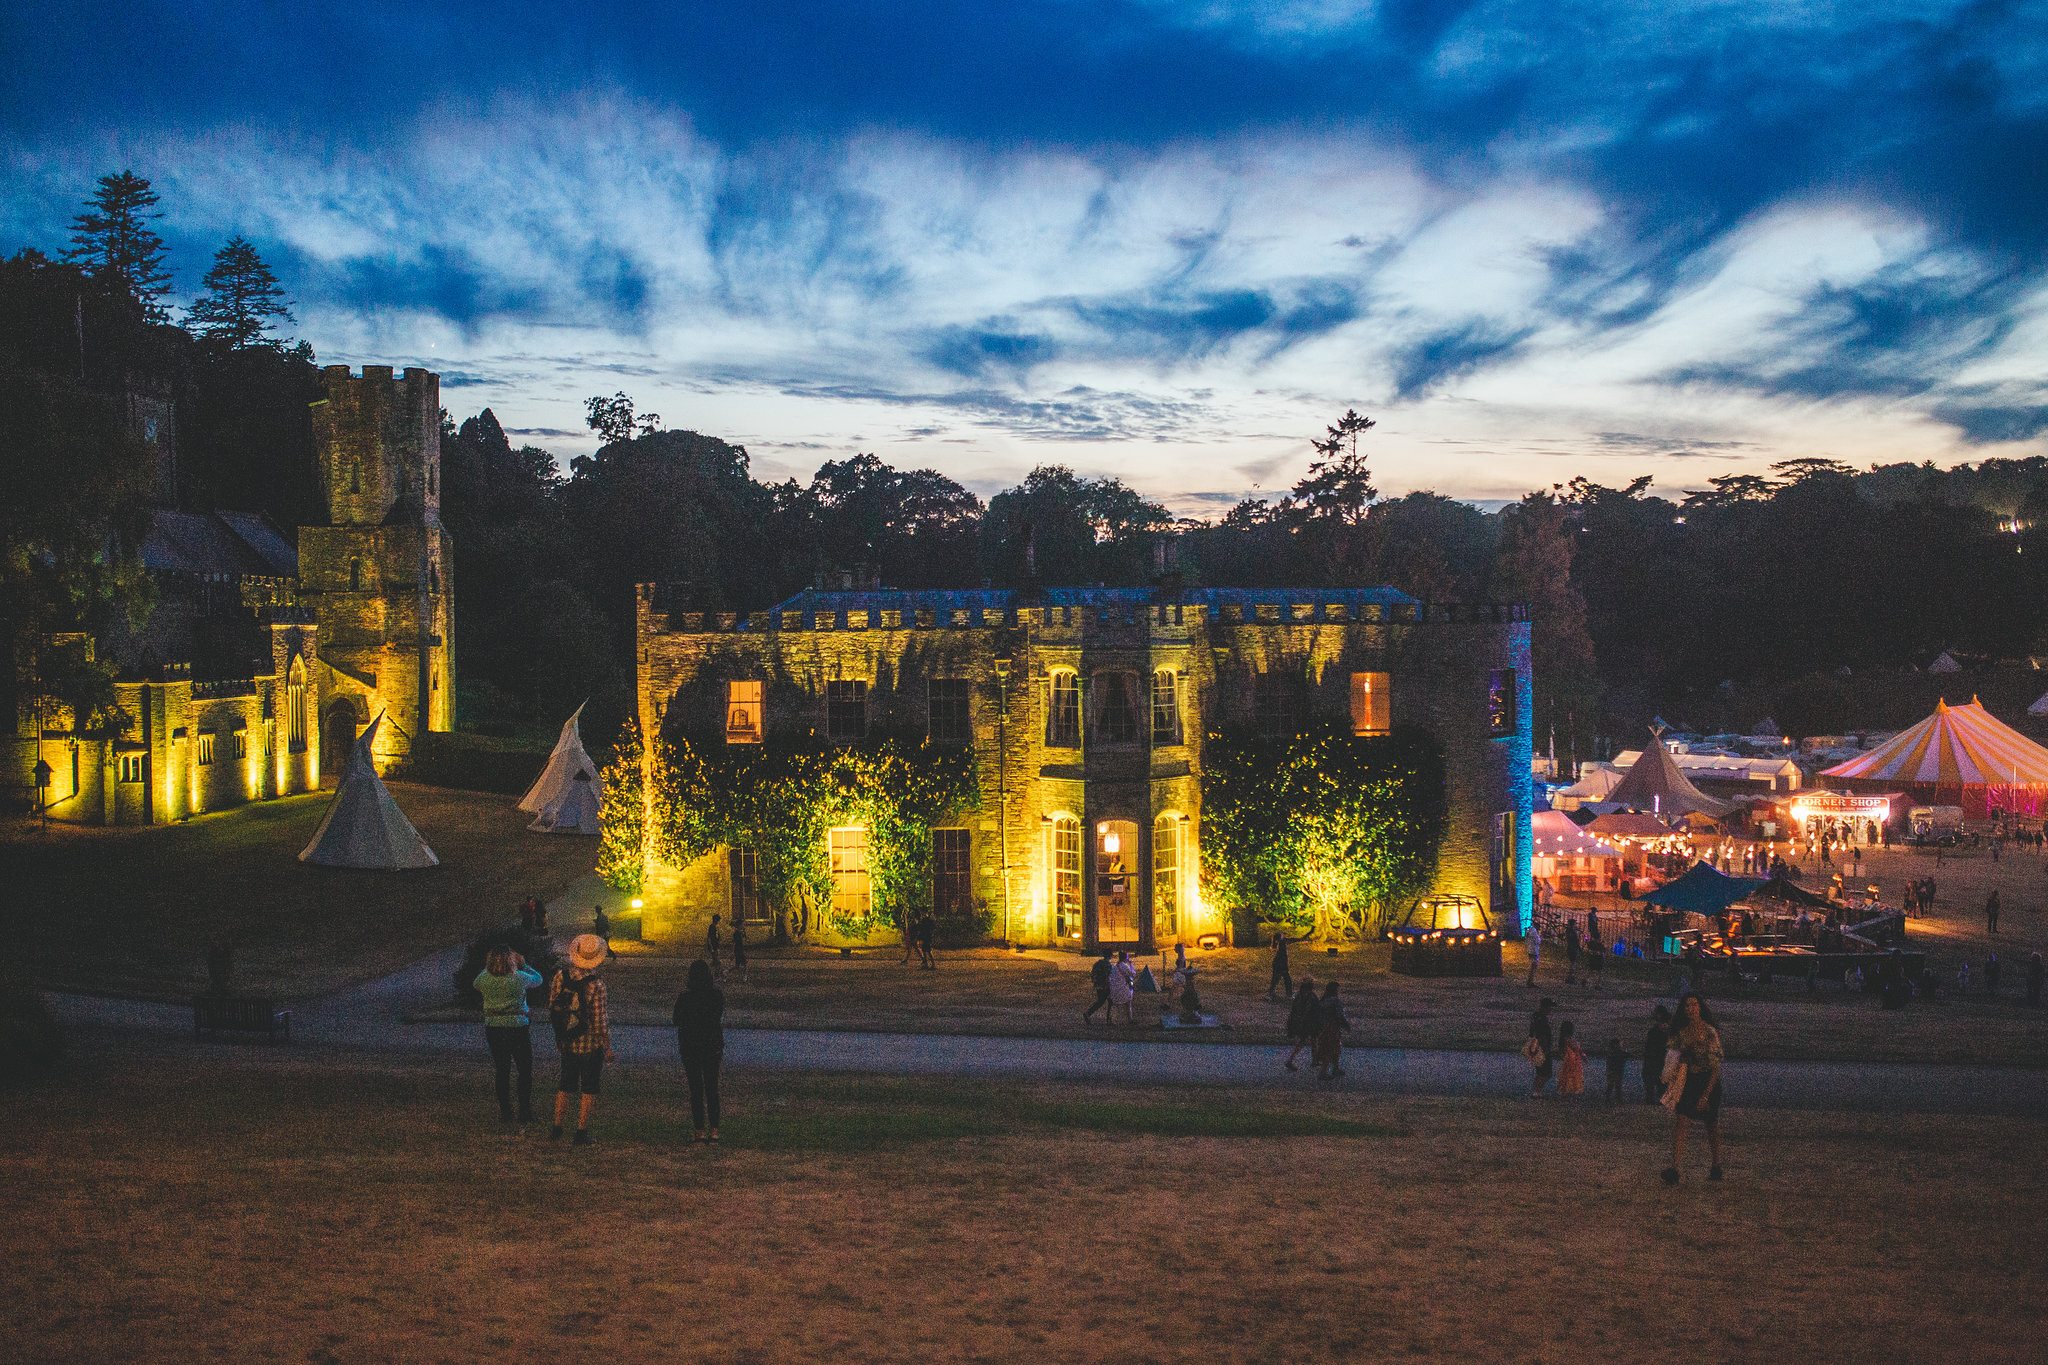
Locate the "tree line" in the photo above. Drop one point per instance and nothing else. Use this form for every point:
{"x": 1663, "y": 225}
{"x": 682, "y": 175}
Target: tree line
{"x": 1760, "y": 595}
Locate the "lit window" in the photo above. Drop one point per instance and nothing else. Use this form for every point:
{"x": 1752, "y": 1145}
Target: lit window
{"x": 1166, "y": 877}
{"x": 852, "y": 893}
{"x": 1116, "y": 712}
{"x": 1066, "y": 877}
{"x": 131, "y": 767}
{"x": 295, "y": 704}
{"x": 1500, "y": 701}
{"x": 952, "y": 876}
{"x": 206, "y": 748}
{"x": 1371, "y": 704}
{"x": 846, "y": 710}
{"x": 1063, "y": 712}
{"x": 952, "y": 719}
{"x": 1504, "y": 853}
{"x": 743, "y": 718}
{"x": 1166, "y": 707}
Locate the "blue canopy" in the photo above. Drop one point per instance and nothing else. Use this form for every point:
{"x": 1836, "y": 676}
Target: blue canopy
{"x": 1702, "y": 891}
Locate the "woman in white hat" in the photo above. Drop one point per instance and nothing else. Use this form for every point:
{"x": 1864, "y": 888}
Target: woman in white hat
{"x": 583, "y": 1035}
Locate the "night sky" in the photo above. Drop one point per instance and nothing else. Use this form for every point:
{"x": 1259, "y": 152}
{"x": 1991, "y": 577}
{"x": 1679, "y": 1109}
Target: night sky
{"x": 1164, "y": 240}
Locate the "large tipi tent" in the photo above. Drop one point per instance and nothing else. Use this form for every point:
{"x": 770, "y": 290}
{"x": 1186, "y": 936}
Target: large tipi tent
{"x": 364, "y": 827}
{"x": 1960, "y": 755}
{"x": 564, "y": 764}
{"x": 573, "y": 812}
{"x": 1654, "y": 784}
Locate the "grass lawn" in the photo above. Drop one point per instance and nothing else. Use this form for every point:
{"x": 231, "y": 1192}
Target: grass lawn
{"x": 251, "y": 1204}
{"x": 134, "y": 910}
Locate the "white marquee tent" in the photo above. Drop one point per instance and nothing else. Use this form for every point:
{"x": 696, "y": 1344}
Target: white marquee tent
{"x": 364, "y": 828}
{"x": 565, "y": 764}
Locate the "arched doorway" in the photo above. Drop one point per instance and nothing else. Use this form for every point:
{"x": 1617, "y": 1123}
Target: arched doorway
{"x": 337, "y": 736}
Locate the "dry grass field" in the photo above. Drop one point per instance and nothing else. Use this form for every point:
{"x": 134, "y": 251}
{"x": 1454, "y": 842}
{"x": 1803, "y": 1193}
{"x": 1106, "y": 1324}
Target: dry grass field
{"x": 248, "y": 1204}
{"x": 134, "y": 910}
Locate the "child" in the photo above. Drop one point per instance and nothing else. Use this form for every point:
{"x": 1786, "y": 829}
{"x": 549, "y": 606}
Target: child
{"x": 1571, "y": 1077}
{"x": 1617, "y": 1069}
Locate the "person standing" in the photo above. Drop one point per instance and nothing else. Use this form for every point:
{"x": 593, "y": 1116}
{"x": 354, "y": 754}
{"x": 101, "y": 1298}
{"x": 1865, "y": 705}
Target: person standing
{"x": 583, "y": 1035}
{"x": 1099, "y": 976}
{"x": 739, "y": 950}
{"x": 1655, "y": 1043}
{"x": 927, "y": 930}
{"x": 700, "y": 1039}
{"x": 1593, "y": 929}
{"x": 1698, "y": 1077}
{"x": 1534, "y": 941}
{"x": 1302, "y": 1022}
{"x": 1991, "y": 913}
{"x": 1541, "y": 1046}
{"x": 1571, "y": 953}
{"x": 1571, "y": 1071}
{"x": 1617, "y": 1070}
{"x": 508, "y": 1032}
{"x": 1281, "y": 975}
{"x": 1331, "y": 1026}
{"x": 714, "y": 947}
{"x": 1123, "y": 988}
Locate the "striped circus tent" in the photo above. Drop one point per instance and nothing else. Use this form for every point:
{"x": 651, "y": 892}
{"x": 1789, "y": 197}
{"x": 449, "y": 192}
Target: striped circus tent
{"x": 1960, "y": 755}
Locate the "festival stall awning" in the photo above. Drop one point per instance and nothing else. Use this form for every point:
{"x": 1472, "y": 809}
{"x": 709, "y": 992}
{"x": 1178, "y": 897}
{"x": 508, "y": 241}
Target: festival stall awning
{"x": 1702, "y": 891}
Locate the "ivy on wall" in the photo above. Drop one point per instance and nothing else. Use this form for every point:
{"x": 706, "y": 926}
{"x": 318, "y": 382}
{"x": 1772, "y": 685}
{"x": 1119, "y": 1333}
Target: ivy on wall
{"x": 1323, "y": 831}
{"x": 780, "y": 801}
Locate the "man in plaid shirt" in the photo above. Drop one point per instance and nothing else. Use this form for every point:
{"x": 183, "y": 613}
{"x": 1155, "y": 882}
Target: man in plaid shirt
{"x": 583, "y": 1036}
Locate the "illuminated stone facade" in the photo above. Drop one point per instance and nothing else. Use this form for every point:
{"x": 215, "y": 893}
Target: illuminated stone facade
{"x": 1086, "y": 709}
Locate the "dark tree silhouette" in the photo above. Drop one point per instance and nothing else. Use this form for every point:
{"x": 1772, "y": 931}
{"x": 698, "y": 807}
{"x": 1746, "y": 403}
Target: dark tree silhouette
{"x": 115, "y": 243}
{"x": 242, "y": 298}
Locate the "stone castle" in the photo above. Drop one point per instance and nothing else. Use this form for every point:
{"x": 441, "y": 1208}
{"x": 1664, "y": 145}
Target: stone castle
{"x": 1087, "y": 710}
{"x": 263, "y": 660}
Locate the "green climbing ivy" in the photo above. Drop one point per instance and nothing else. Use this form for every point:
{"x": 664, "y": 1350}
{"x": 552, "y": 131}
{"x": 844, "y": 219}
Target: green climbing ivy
{"x": 1323, "y": 831}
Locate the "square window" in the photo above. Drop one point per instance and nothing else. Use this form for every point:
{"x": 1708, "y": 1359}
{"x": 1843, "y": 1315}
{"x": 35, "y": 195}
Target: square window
{"x": 1063, "y": 712}
{"x": 846, "y": 710}
{"x": 1371, "y": 704}
{"x": 1166, "y": 707}
{"x": 952, "y": 874}
{"x": 852, "y": 893}
{"x": 952, "y": 717}
{"x": 743, "y": 718}
{"x": 1281, "y": 701}
{"x": 1500, "y": 701}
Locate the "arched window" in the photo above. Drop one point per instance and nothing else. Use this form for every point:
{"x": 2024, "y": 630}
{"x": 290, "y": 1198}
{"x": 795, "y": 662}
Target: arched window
{"x": 295, "y": 704}
{"x": 1166, "y": 878}
{"x": 1064, "y": 862}
{"x": 1063, "y": 711}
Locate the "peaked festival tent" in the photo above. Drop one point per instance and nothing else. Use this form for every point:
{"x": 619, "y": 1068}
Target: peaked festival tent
{"x": 564, "y": 764}
{"x": 573, "y": 812}
{"x": 1654, "y": 784}
{"x": 1960, "y": 755}
{"x": 2040, "y": 706}
{"x": 364, "y": 827}
{"x": 1702, "y": 891}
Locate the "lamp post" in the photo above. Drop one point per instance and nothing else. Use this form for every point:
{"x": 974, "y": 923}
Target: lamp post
{"x": 1003, "y": 782}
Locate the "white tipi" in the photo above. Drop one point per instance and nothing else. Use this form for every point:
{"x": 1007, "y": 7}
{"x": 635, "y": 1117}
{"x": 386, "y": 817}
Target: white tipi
{"x": 573, "y": 812}
{"x": 564, "y": 765}
{"x": 364, "y": 827}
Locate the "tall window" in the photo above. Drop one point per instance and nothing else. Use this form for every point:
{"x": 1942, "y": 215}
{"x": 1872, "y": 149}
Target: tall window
{"x": 1165, "y": 707}
{"x": 131, "y": 767}
{"x": 743, "y": 719}
{"x": 1063, "y": 715}
{"x": 952, "y": 720}
{"x": 1371, "y": 704}
{"x": 852, "y": 895}
{"x": 206, "y": 747}
{"x": 1116, "y": 712}
{"x": 241, "y": 743}
{"x": 295, "y": 704}
{"x": 1500, "y": 701}
{"x": 1504, "y": 854}
{"x": 1066, "y": 877}
{"x": 952, "y": 875}
{"x": 355, "y": 575}
{"x": 846, "y": 710}
{"x": 1166, "y": 858}
{"x": 744, "y": 881}
{"x": 1281, "y": 697}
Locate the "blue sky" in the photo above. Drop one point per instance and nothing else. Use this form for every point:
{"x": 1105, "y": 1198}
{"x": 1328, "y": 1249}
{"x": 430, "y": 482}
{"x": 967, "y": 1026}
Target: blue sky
{"x": 1167, "y": 241}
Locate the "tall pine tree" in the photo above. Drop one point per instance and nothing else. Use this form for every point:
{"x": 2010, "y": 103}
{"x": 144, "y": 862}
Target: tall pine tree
{"x": 113, "y": 240}
{"x": 241, "y": 298}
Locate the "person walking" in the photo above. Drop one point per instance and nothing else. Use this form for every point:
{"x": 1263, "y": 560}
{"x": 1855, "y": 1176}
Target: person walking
{"x": 1571, "y": 953}
{"x": 699, "y": 1018}
{"x": 1331, "y": 1026}
{"x": 1694, "y": 1068}
{"x": 714, "y": 948}
{"x": 583, "y": 1035}
{"x": 1302, "y": 1023}
{"x": 1123, "y": 988}
{"x": 1098, "y": 975}
{"x": 503, "y": 983}
{"x": 1281, "y": 975}
{"x": 927, "y": 930}
{"x": 1655, "y": 1042}
{"x": 1535, "y": 945}
{"x": 1991, "y": 913}
{"x": 739, "y": 951}
{"x": 1617, "y": 1069}
{"x": 1571, "y": 1070}
{"x": 2034, "y": 975}
{"x": 1541, "y": 1047}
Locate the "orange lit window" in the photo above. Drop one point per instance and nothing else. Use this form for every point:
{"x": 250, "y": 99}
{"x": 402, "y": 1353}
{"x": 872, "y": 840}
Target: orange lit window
{"x": 1371, "y": 704}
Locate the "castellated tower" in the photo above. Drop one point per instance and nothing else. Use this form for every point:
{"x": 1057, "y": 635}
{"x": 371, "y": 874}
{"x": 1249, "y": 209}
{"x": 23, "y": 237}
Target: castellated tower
{"x": 377, "y": 573}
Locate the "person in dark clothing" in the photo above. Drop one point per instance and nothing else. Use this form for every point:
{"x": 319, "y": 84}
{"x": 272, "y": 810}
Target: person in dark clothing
{"x": 714, "y": 946}
{"x": 1571, "y": 953}
{"x": 1656, "y": 1042}
{"x": 739, "y": 950}
{"x": 1331, "y": 1026}
{"x": 1544, "y": 1058}
{"x": 927, "y": 930}
{"x": 700, "y": 1038}
{"x": 1617, "y": 1069}
{"x": 1991, "y": 913}
{"x": 1099, "y": 975}
{"x": 1302, "y": 1021}
{"x": 1281, "y": 974}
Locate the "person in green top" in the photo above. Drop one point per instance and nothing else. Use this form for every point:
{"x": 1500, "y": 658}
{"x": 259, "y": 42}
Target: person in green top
{"x": 503, "y": 983}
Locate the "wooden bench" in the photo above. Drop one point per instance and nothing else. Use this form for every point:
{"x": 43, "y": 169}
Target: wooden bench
{"x": 237, "y": 1014}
